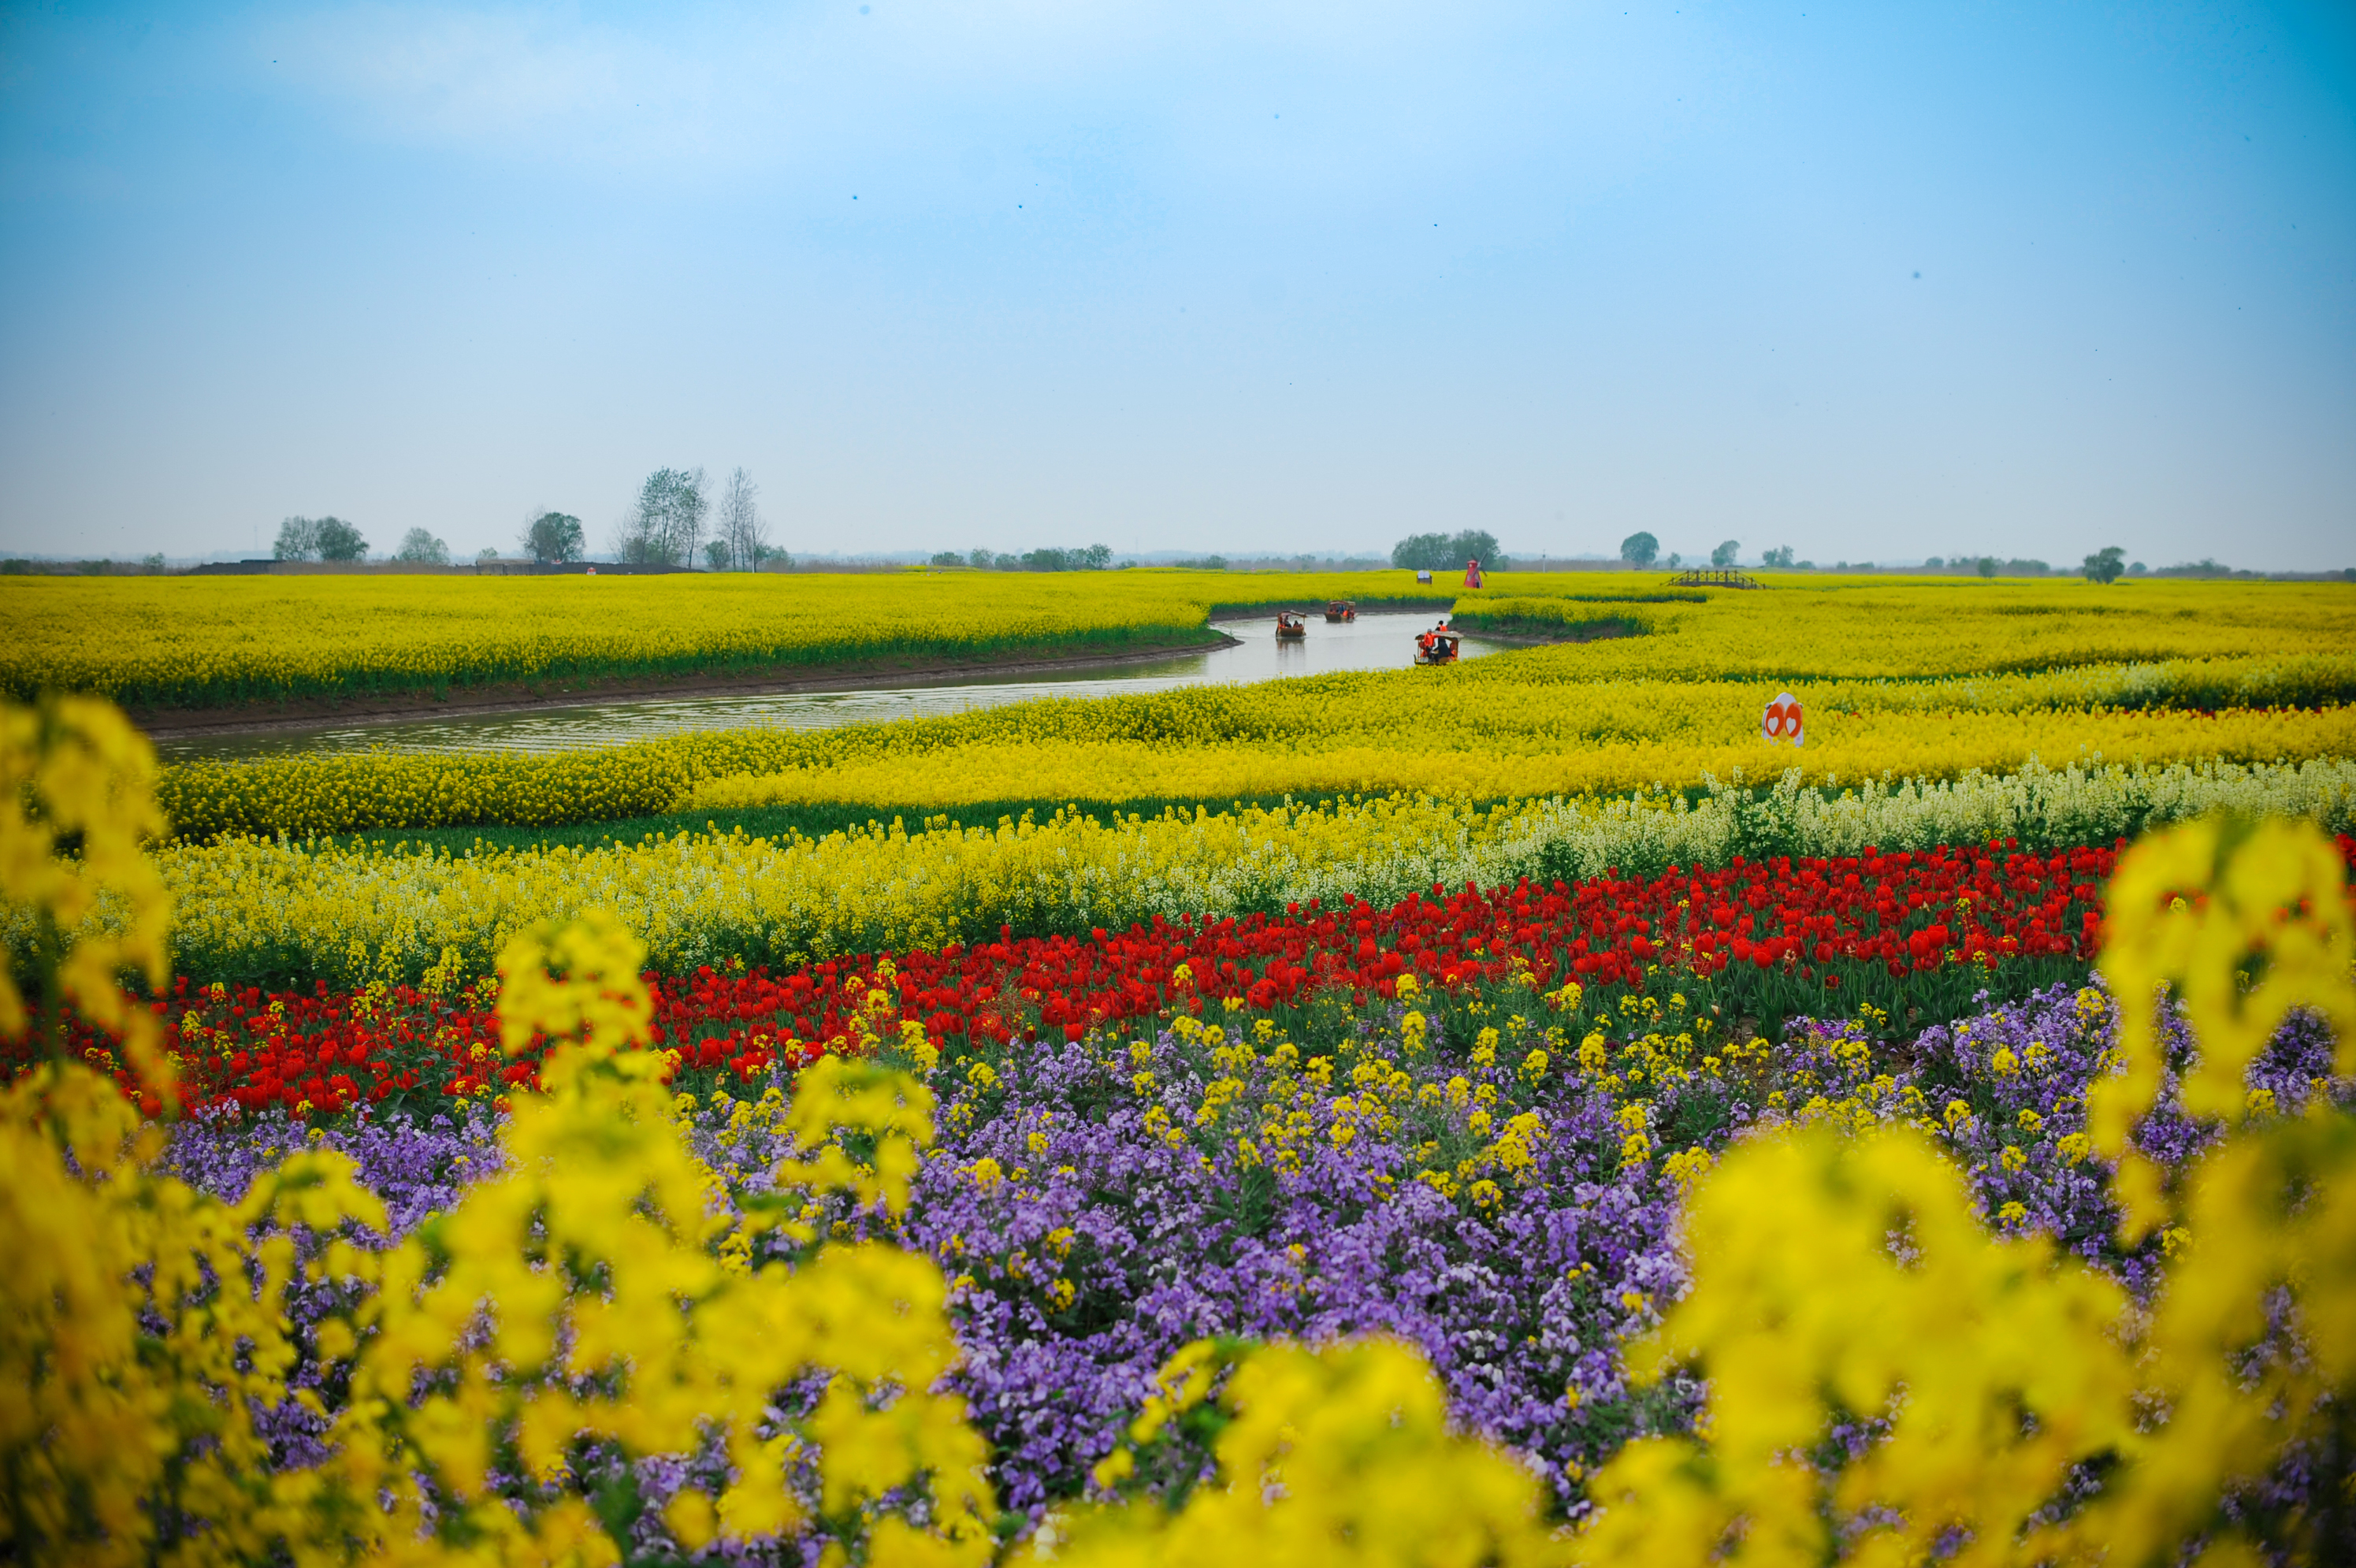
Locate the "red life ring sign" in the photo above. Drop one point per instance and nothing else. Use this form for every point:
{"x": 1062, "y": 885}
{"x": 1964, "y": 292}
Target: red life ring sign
{"x": 1782, "y": 721}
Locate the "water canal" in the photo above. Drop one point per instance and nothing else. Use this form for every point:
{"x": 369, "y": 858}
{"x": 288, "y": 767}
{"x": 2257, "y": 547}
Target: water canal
{"x": 1384, "y": 641}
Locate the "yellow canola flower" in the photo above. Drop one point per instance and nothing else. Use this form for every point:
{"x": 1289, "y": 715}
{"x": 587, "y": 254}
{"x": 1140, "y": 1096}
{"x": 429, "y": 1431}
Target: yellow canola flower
{"x": 141, "y": 1328}
{"x": 1798, "y": 1299}
{"x": 73, "y": 772}
{"x": 1810, "y": 626}
{"x": 2267, "y": 887}
{"x": 1318, "y": 761}
{"x": 1922, "y": 680}
{"x": 129, "y": 1379}
{"x": 1844, "y": 1277}
{"x": 585, "y": 1294}
{"x": 1340, "y": 1455}
{"x": 183, "y": 642}
{"x": 1802, "y": 1312}
{"x": 614, "y": 1315}
{"x": 207, "y": 641}
{"x": 1513, "y": 725}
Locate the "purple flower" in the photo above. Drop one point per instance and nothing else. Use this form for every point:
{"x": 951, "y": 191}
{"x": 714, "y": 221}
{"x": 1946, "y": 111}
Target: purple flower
{"x": 1099, "y": 1203}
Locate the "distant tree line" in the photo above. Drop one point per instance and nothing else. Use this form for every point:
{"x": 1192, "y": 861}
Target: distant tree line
{"x": 2107, "y": 564}
{"x": 1307, "y": 563}
{"x": 1991, "y": 565}
{"x": 1445, "y": 551}
{"x": 1093, "y": 558}
{"x": 318, "y": 539}
{"x": 333, "y": 539}
{"x": 105, "y": 566}
{"x": 676, "y": 517}
{"x": 1642, "y": 550}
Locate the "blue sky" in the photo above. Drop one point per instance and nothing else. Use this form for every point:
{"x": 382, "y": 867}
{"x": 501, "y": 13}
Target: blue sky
{"x": 1878, "y": 282}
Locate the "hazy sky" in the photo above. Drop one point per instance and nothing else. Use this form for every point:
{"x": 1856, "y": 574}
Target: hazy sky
{"x": 1876, "y": 281}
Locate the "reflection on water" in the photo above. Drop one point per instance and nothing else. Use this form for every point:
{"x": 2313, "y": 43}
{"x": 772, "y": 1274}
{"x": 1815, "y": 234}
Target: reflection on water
{"x": 1371, "y": 642}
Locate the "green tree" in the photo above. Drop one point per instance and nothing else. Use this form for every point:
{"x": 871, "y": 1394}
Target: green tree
{"x": 552, "y": 538}
{"x": 1476, "y": 545}
{"x": 340, "y": 540}
{"x": 1640, "y": 550}
{"x": 1725, "y": 554}
{"x": 2105, "y": 564}
{"x": 1781, "y": 556}
{"x": 420, "y": 548}
{"x": 1446, "y": 552}
{"x": 1422, "y": 552}
{"x": 665, "y": 526}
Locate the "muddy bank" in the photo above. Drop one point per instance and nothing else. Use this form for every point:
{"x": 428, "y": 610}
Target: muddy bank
{"x": 527, "y": 697}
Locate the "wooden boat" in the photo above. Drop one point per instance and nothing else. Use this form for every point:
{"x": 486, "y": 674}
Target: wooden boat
{"x": 1437, "y": 646}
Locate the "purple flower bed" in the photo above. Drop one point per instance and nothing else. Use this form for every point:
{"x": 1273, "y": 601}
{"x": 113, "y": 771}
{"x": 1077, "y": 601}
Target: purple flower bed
{"x": 2010, "y": 1089}
{"x": 1505, "y": 1199}
{"x": 415, "y": 1166}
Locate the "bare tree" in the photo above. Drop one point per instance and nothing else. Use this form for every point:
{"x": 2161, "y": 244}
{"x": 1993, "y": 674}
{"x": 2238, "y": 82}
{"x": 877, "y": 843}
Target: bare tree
{"x": 630, "y": 542}
{"x": 691, "y": 502}
{"x": 298, "y": 540}
{"x": 741, "y": 530}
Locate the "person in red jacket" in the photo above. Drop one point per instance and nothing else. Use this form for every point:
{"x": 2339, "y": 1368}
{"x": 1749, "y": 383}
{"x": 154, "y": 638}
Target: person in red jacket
{"x": 1471, "y": 574}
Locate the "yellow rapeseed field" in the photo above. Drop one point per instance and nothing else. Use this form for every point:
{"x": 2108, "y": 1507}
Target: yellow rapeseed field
{"x": 207, "y": 641}
{"x": 1902, "y": 678}
{"x": 1508, "y": 725}
{"x": 185, "y": 642}
{"x": 1872, "y": 746}
{"x": 1341, "y": 733}
{"x": 1804, "y": 625}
